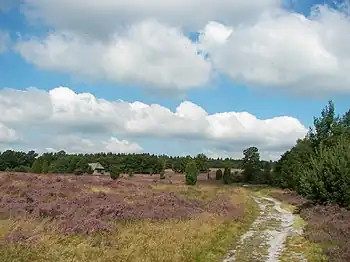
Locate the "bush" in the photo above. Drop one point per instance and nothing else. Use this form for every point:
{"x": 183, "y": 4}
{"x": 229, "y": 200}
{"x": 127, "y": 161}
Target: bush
{"x": 89, "y": 170}
{"x": 131, "y": 173}
{"x": 23, "y": 169}
{"x": 78, "y": 172}
{"x": 191, "y": 173}
{"x": 237, "y": 177}
{"x": 115, "y": 175}
{"x": 227, "y": 177}
{"x": 114, "y": 172}
{"x": 218, "y": 175}
{"x": 162, "y": 174}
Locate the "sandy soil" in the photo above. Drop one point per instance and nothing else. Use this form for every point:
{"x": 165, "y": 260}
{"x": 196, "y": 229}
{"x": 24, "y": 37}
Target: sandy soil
{"x": 266, "y": 238}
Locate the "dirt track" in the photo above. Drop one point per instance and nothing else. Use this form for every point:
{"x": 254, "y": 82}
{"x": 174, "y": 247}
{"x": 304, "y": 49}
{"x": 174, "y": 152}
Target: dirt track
{"x": 266, "y": 238}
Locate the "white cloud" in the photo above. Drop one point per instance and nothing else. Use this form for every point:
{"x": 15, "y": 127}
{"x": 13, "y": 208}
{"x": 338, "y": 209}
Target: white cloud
{"x": 22, "y": 107}
{"x": 105, "y": 16}
{"x": 149, "y": 53}
{"x": 7, "y": 135}
{"x": 285, "y": 50}
{"x": 67, "y": 112}
{"x": 4, "y": 41}
{"x": 76, "y": 144}
{"x": 279, "y": 49}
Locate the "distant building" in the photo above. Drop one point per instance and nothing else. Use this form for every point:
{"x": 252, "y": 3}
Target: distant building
{"x": 97, "y": 168}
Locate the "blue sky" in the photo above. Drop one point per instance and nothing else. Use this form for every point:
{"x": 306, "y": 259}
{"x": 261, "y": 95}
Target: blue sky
{"x": 299, "y": 93}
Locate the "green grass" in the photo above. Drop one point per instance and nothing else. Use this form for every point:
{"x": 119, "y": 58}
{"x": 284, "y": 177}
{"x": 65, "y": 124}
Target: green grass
{"x": 299, "y": 245}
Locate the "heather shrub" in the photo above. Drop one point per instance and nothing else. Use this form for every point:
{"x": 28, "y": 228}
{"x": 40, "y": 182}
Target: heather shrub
{"x": 218, "y": 174}
{"x": 227, "y": 177}
{"x": 191, "y": 173}
{"x": 65, "y": 203}
{"x": 329, "y": 226}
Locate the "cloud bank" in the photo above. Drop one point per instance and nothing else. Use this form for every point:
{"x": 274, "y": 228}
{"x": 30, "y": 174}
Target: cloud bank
{"x": 82, "y": 122}
{"x": 149, "y": 46}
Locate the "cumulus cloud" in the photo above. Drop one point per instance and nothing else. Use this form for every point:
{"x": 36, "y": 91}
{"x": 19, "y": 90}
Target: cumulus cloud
{"x": 285, "y": 50}
{"x": 278, "y": 49}
{"x": 4, "y": 41}
{"x": 67, "y": 112}
{"x": 76, "y": 144}
{"x": 7, "y": 135}
{"x": 100, "y": 18}
{"x": 148, "y": 53}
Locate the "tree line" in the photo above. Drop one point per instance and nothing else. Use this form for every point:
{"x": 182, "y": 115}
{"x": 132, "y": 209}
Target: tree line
{"x": 62, "y": 162}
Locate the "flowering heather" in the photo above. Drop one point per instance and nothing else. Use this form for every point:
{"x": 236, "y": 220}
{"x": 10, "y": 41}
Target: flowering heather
{"x": 89, "y": 204}
{"x": 223, "y": 207}
{"x": 329, "y": 226}
{"x": 289, "y": 197}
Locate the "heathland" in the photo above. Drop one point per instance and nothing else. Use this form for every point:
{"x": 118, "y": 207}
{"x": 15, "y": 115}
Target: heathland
{"x": 145, "y": 207}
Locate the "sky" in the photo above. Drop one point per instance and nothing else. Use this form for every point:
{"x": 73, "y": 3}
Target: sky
{"x": 169, "y": 77}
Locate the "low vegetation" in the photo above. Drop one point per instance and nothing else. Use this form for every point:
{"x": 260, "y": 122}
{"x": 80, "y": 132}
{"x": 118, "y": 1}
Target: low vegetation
{"x": 90, "y": 218}
{"x": 191, "y": 173}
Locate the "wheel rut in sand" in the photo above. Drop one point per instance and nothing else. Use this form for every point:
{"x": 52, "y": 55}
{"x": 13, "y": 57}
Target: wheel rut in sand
{"x": 265, "y": 240}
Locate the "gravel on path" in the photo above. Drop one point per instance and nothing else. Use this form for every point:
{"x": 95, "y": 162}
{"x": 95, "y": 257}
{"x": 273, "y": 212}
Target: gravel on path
{"x": 266, "y": 238}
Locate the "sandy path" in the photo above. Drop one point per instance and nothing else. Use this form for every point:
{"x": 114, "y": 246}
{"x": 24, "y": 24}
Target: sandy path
{"x": 267, "y": 235}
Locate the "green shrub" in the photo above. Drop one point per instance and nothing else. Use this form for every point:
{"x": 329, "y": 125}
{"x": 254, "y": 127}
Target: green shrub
{"x": 327, "y": 178}
{"x": 45, "y": 167}
{"x": 218, "y": 174}
{"x": 114, "y": 172}
{"x": 89, "y": 170}
{"x": 237, "y": 177}
{"x": 21, "y": 169}
{"x": 162, "y": 174}
{"x": 227, "y": 177}
{"x": 114, "y": 175}
{"x": 78, "y": 172}
{"x": 131, "y": 173}
{"x": 191, "y": 173}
